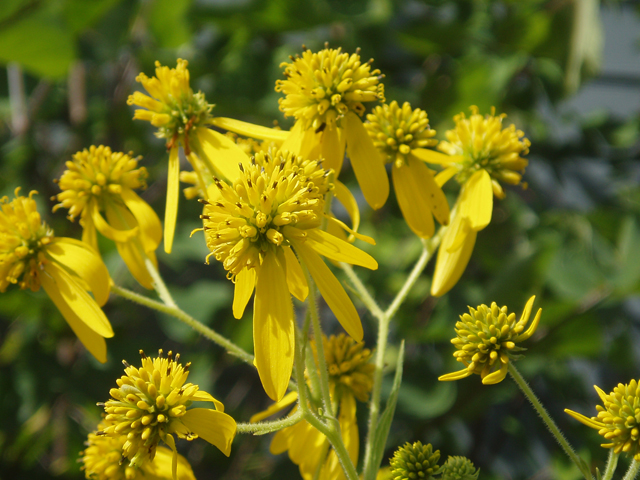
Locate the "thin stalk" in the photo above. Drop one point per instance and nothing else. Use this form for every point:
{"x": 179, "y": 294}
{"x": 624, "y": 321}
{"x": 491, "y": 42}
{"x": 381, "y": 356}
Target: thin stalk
{"x": 553, "y": 428}
{"x": 612, "y": 463}
{"x": 365, "y": 296}
{"x": 633, "y": 470}
{"x": 158, "y": 284}
{"x": 262, "y": 428}
{"x": 184, "y": 317}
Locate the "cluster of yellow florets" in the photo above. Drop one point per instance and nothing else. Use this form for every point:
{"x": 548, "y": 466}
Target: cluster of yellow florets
{"x": 349, "y": 365}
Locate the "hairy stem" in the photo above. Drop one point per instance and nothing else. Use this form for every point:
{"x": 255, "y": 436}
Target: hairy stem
{"x": 261, "y": 428}
{"x": 612, "y": 463}
{"x": 632, "y": 473}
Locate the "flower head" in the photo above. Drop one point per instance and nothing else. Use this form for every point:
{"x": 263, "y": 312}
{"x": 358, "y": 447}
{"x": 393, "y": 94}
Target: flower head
{"x": 99, "y": 180}
{"x": 413, "y": 461}
{"x": 251, "y": 226}
{"x": 401, "y": 135}
{"x": 102, "y": 460}
{"x": 150, "y": 404}
{"x": 349, "y": 365}
{"x": 618, "y": 419}
{"x": 459, "y": 468}
{"x": 486, "y": 341}
{"x": 31, "y": 257}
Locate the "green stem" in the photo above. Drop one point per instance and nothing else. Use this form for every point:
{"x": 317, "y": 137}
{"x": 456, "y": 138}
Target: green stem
{"x": 158, "y": 284}
{"x": 262, "y": 428}
{"x": 612, "y": 463}
{"x": 365, "y": 296}
{"x": 633, "y": 470}
{"x": 184, "y": 317}
{"x": 553, "y": 428}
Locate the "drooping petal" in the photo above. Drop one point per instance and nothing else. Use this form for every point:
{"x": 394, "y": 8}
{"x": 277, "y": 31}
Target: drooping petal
{"x": 431, "y": 190}
{"x": 332, "y": 145}
{"x": 497, "y": 376}
{"x": 295, "y": 276}
{"x": 305, "y": 446}
{"x": 202, "y": 396}
{"x": 331, "y": 290}
{"x": 169, "y": 440}
{"x": 366, "y": 162}
{"x": 84, "y": 262}
{"x": 415, "y": 207}
{"x": 146, "y": 217}
{"x": 273, "y": 330}
{"x": 280, "y": 441}
{"x": 431, "y": 156}
{"x": 108, "y": 231}
{"x": 286, "y": 401}
{"x": 216, "y": 427}
{"x": 173, "y": 192}
{"x": 250, "y": 130}
{"x": 348, "y": 201}
{"x": 476, "y": 200}
{"x": 460, "y": 374}
{"x": 243, "y": 289}
{"x": 293, "y": 142}
{"x": 162, "y": 463}
{"x": 451, "y": 264}
{"x": 332, "y": 247}
{"x": 302, "y": 142}
{"x": 89, "y": 232}
{"x": 221, "y": 152}
{"x": 445, "y": 175}
{"x": 349, "y": 426}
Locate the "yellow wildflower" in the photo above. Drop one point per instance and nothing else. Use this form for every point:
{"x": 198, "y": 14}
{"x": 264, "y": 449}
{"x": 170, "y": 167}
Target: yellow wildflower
{"x": 486, "y": 341}
{"x": 150, "y": 404}
{"x": 182, "y": 118}
{"x": 480, "y": 154}
{"x": 99, "y": 180}
{"x": 618, "y": 421}
{"x": 251, "y": 226}
{"x": 102, "y": 460}
{"x": 31, "y": 256}
{"x": 325, "y": 92}
{"x": 350, "y": 378}
{"x": 398, "y": 133}
{"x": 413, "y": 461}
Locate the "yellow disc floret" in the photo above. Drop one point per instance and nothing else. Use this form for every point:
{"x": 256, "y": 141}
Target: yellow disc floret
{"x": 23, "y": 237}
{"x": 396, "y": 131}
{"x": 277, "y": 196}
{"x": 322, "y": 86}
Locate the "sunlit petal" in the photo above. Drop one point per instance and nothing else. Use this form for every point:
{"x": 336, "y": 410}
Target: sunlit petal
{"x": 332, "y": 146}
{"x": 245, "y": 283}
{"x": 431, "y": 156}
{"x": 415, "y": 206}
{"x": 203, "y": 396}
{"x": 332, "y": 247}
{"x": 450, "y": 265}
{"x": 476, "y": 200}
{"x": 250, "y": 130}
{"x": 216, "y": 427}
{"x": 295, "y": 276}
{"x": 108, "y": 231}
{"x": 348, "y": 201}
{"x": 148, "y": 221}
{"x": 173, "y": 191}
{"x": 223, "y": 153}
{"x": 274, "y": 408}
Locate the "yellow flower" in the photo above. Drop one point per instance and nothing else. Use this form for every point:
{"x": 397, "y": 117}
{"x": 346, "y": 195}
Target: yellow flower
{"x": 251, "y": 226}
{"x": 618, "y": 421}
{"x": 325, "y": 92}
{"x": 182, "y": 118}
{"x": 150, "y": 404}
{"x": 413, "y": 461}
{"x": 99, "y": 180}
{"x": 102, "y": 460}
{"x": 350, "y": 377}
{"x": 400, "y": 134}
{"x": 486, "y": 341}
{"x": 31, "y": 256}
{"x": 480, "y": 154}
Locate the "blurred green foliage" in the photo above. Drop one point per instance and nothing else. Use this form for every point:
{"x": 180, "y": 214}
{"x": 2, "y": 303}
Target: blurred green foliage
{"x": 572, "y": 237}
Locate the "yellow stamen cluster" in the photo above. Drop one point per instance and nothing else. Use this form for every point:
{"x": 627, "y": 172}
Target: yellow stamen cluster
{"x": 278, "y": 196}
{"x": 396, "y": 131}
{"x": 102, "y": 458}
{"x": 100, "y": 174}
{"x": 172, "y": 106}
{"x": 349, "y": 365}
{"x": 148, "y": 404}
{"x": 618, "y": 421}
{"x": 484, "y": 144}
{"x": 415, "y": 461}
{"x": 23, "y": 238}
{"x": 320, "y": 87}
{"x": 459, "y": 468}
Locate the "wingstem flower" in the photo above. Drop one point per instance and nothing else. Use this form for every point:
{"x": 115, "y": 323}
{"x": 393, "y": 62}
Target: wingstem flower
{"x": 31, "y": 256}
{"x": 253, "y": 227}
{"x": 99, "y": 180}
{"x": 413, "y": 461}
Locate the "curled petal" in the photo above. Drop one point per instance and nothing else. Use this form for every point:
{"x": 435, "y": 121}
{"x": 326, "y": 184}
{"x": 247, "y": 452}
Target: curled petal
{"x": 497, "y": 376}
{"x": 202, "y": 396}
{"x": 145, "y": 216}
{"x": 464, "y": 373}
{"x": 214, "y": 426}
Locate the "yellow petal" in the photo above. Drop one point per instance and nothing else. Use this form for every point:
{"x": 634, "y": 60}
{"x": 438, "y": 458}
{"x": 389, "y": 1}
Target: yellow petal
{"x": 332, "y": 146}
{"x": 84, "y": 262}
{"x": 295, "y": 276}
{"x": 293, "y": 142}
{"x": 107, "y": 230}
{"x": 331, "y": 290}
{"x": 280, "y": 442}
{"x": 415, "y": 206}
{"x": 366, "y": 162}
{"x": 332, "y": 247}
{"x": 431, "y": 156}
{"x": 173, "y": 191}
{"x": 89, "y": 233}
{"x": 582, "y": 419}
{"x": 445, "y": 175}
{"x": 476, "y": 200}
{"x": 202, "y": 396}
{"x": 348, "y": 201}
{"x": 215, "y": 427}
{"x": 273, "y": 334}
{"x": 431, "y": 190}
{"x": 497, "y": 376}
{"x": 162, "y": 463}
{"x": 169, "y": 440}
{"x": 250, "y": 130}
{"x": 148, "y": 221}
{"x": 532, "y": 328}
{"x": 349, "y": 426}
{"x": 454, "y": 375}
{"x": 221, "y": 153}
{"x": 286, "y": 401}
{"x": 245, "y": 283}
{"x": 337, "y": 228}
{"x": 302, "y": 142}
{"x": 305, "y": 446}
{"x": 451, "y": 264}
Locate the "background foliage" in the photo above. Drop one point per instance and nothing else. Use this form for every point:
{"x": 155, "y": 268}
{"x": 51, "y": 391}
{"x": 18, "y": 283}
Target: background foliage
{"x": 572, "y": 237}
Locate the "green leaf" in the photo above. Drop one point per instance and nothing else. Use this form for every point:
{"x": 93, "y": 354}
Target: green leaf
{"x": 167, "y": 19}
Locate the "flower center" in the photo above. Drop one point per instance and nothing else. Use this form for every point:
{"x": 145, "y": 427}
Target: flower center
{"x": 349, "y": 365}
